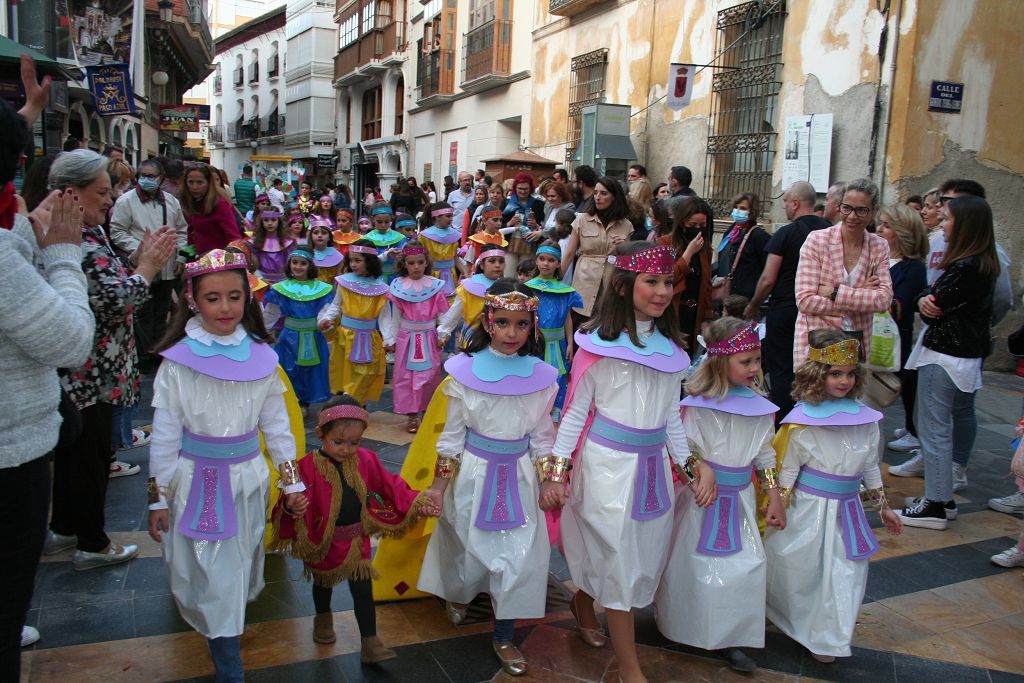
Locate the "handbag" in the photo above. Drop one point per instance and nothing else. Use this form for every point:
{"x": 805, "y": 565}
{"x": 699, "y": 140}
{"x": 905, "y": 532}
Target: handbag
{"x": 721, "y": 287}
{"x": 882, "y": 389}
{"x": 885, "y": 344}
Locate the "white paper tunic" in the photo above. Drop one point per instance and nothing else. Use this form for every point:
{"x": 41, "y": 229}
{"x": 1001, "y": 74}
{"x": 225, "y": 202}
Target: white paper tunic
{"x": 463, "y": 560}
{"x": 814, "y": 592}
{"x": 717, "y": 601}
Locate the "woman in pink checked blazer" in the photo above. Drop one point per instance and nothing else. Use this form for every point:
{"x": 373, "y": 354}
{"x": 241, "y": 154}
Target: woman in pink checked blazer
{"x": 843, "y": 275}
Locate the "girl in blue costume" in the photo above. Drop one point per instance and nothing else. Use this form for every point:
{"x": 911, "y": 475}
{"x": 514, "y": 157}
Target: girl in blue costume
{"x": 491, "y": 536}
{"x": 818, "y": 564}
{"x": 216, "y": 390}
{"x": 712, "y": 593}
{"x": 556, "y": 300}
{"x": 470, "y": 295}
{"x": 626, "y": 375}
{"x": 301, "y": 347}
{"x": 387, "y": 240}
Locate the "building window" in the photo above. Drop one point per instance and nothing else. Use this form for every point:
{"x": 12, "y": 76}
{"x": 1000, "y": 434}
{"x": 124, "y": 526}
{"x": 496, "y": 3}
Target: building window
{"x": 431, "y": 9}
{"x": 400, "y": 107}
{"x": 349, "y": 31}
{"x": 372, "y": 102}
{"x": 744, "y": 105}
{"x": 480, "y": 12}
{"x": 586, "y": 87}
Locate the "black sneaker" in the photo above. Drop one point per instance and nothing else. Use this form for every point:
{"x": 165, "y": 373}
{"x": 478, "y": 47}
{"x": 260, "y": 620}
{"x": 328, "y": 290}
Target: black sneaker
{"x": 911, "y": 501}
{"x": 927, "y": 514}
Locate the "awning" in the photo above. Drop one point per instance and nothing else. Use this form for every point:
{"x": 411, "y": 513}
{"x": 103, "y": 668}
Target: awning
{"x": 610, "y": 147}
{"x": 10, "y": 54}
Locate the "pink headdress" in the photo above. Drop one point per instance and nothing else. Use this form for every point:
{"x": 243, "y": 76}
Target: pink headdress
{"x": 212, "y": 262}
{"x": 488, "y": 254}
{"x": 746, "y": 339}
{"x": 654, "y": 261}
{"x": 413, "y": 248}
{"x": 343, "y": 413}
{"x": 362, "y": 249}
{"x": 446, "y": 211}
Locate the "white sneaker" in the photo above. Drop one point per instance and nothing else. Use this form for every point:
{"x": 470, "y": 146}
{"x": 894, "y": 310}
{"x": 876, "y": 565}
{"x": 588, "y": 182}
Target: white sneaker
{"x": 122, "y": 469}
{"x": 898, "y": 432}
{"x": 1012, "y": 504}
{"x": 911, "y": 468}
{"x": 959, "y": 478}
{"x": 907, "y": 442}
{"x": 30, "y": 635}
{"x": 1011, "y": 557}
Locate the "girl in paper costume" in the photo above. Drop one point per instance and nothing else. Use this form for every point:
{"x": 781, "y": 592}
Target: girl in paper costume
{"x": 271, "y": 247}
{"x": 712, "y": 593}
{"x": 346, "y": 234}
{"x": 418, "y": 301}
{"x": 442, "y": 243}
{"x": 491, "y": 536}
{"x": 556, "y": 300}
{"x": 492, "y": 235}
{"x": 301, "y": 347}
{"x": 351, "y": 497}
{"x": 386, "y": 239}
{"x": 326, "y": 257}
{"x": 471, "y": 294}
{"x": 215, "y": 391}
{"x": 626, "y": 375}
{"x": 360, "y": 308}
{"x": 818, "y": 564}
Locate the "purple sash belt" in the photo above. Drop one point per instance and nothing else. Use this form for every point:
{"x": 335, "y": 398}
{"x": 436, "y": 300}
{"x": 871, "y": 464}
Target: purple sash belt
{"x": 418, "y": 358}
{"x": 362, "y": 345}
{"x": 858, "y": 537}
{"x": 444, "y": 273}
{"x": 501, "y": 507}
{"x": 650, "y": 487}
{"x": 210, "y": 510}
{"x": 720, "y": 534}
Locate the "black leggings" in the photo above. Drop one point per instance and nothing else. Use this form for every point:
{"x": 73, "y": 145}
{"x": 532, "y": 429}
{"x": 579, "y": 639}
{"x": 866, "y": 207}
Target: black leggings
{"x": 362, "y": 600}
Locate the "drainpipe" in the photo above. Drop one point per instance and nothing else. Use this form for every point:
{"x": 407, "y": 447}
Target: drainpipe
{"x": 879, "y": 174}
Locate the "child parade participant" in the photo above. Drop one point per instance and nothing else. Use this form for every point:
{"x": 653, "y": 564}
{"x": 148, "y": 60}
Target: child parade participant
{"x": 296, "y": 229}
{"x": 470, "y": 295}
{"x": 818, "y": 564}
{"x": 326, "y": 257}
{"x": 351, "y": 497}
{"x": 252, "y": 217}
{"x": 491, "y": 536}
{"x": 365, "y": 225}
{"x": 257, "y": 286}
{"x": 387, "y": 240}
{"x": 712, "y": 593}
{"x": 216, "y": 390}
{"x": 360, "y": 302}
{"x": 345, "y": 234}
{"x": 271, "y": 247}
{"x": 406, "y": 224}
{"x": 442, "y": 243}
{"x": 419, "y": 301}
{"x": 556, "y": 300}
{"x": 491, "y": 235}
{"x": 301, "y": 347}
{"x": 617, "y": 523}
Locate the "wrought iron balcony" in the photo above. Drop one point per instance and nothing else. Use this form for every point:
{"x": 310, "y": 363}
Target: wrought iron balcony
{"x": 215, "y": 133}
{"x": 251, "y": 129}
{"x": 568, "y": 8}
{"x": 435, "y": 74}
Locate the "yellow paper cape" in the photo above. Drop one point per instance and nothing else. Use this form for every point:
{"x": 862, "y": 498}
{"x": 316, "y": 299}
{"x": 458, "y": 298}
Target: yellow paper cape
{"x": 298, "y": 431}
{"x": 781, "y": 444}
{"x": 398, "y": 560}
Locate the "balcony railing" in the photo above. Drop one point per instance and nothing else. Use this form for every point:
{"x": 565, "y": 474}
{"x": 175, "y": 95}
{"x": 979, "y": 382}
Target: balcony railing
{"x": 234, "y": 131}
{"x": 239, "y": 77}
{"x": 568, "y": 8}
{"x": 375, "y": 45}
{"x": 275, "y": 126}
{"x": 251, "y": 129}
{"x": 215, "y": 133}
{"x": 435, "y": 73}
{"x": 487, "y": 50}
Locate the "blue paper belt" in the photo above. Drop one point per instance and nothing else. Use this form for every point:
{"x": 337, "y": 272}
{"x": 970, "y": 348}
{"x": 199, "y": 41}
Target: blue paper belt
{"x": 501, "y": 507}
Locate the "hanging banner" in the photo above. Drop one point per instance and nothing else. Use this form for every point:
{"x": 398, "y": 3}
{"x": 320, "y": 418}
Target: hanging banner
{"x": 100, "y": 30}
{"x": 179, "y": 118}
{"x": 111, "y": 88}
{"x": 680, "y": 85}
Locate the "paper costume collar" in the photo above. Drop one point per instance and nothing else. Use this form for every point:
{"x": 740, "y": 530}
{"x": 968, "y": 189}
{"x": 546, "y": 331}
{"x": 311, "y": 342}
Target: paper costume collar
{"x": 494, "y": 373}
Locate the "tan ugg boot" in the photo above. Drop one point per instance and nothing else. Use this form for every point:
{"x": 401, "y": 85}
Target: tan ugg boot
{"x": 374, "y": 651}
{"x": 323, "y": 628}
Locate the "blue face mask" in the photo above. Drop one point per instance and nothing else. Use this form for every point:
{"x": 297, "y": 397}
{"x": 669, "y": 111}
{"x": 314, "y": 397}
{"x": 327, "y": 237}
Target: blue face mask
{"x": 148, "y": 184}
{"x": 740, "y": 215}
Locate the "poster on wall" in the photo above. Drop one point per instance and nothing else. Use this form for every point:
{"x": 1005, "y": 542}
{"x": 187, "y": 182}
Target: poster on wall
{"x": 111, "y": 88}
{"x": 179, "y": 118}
{"x": 680, "y": 86}
{"x": 100, "y": 31}
{"x": 807, "y": 150}
{"x": 453, "y": 159}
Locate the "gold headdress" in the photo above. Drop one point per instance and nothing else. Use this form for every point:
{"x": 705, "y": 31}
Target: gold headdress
{"x": 511, "y": 301}
{"x": 845, "y": 352}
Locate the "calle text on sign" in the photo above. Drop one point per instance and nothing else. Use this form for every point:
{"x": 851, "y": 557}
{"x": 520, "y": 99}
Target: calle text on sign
{"x": 946, "y": 97}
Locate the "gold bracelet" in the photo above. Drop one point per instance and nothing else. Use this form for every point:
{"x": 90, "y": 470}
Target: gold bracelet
{"x": 690, "y": 468}
{"x": 556, "y": 469}
{"x": 786, "y": 493}
{"x": 874, "y": 499}
{"x": 289, "y": 473}
{"x": 767, "y": 479}
{"x": 152, "y": 491}
{"x": 445, "y": 467}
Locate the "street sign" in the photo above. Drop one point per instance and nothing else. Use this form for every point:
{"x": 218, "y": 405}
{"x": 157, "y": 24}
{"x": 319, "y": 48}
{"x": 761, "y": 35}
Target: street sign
{"x": 946, "y": 97}
{"x": 326, "y": 160}
{"x": 179, "y": 118}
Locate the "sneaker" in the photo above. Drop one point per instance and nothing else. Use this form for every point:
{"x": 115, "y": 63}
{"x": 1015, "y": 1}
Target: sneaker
{"x": 140, "y": 437}
{"x": 1009, "y": 558}
{"x": 911, "y": 501}
{"x": 115, "y": 554}
{"x": 1012, "y": 504}
{"x": 927, "y": 514}
{"x": 30, "y": 635}
{"x": 906, "y": 443}
{"x": 122, "y": 469}
{"x": 55, "y": 543}
{"x": 911, "y": 468}
{"x": 899, "y": 432}
{"x": 738, "y": 660}
{"x": 959, "y": 478}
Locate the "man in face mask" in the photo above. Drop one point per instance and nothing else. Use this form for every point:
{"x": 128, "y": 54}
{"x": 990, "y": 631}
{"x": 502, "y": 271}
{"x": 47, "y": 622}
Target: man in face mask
{"x": 148, "y": 208}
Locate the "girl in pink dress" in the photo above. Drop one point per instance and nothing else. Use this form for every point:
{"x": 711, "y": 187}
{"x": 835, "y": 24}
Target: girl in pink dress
{"x": 419, "y": 300}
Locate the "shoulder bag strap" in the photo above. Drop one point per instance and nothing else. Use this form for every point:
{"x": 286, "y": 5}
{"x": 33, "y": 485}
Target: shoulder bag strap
{"x": 739, "y": 252}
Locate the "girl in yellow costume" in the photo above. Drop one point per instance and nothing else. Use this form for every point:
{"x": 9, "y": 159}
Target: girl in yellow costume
{"x": 360, "y": 302}
{"x": 470, "y": 296}
{"x": 442, "y": 243}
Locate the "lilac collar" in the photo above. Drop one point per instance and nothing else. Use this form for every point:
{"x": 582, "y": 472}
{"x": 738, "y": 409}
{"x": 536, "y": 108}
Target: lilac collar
{"x": 843, "y": 412}
{"x": 367, "y": 286}
{"x": 739, "y": 401}
{"x": 401, "y": 289}
{"x": 247, "y": 361}
{"x": 477, "y": 285}
{"x": 658, "y": 352}
{"x": 492, "y": 373}
{"x": 327, "y": 258}
{"x": 436, "y": 234}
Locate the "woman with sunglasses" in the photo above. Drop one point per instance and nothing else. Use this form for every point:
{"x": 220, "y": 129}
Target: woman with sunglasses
{"x": 843, "y": 276}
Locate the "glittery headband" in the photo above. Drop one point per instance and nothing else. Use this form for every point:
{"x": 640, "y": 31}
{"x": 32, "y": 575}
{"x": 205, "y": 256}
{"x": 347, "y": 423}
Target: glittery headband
{"x": 413, "y": 249}
{"x": 490, "y": 253}
{"x": 551, "y": 251}
{"x": 301, "y": 252}
{"x": 361, "y": 249}
{"x": 746, "y": 339}
{"x": 512, "y": 301}
{"x": 261, "y": 198}
{"x": 343, "y": 413}
{"x": 447, "y": 211}
{"x": 270, "y": 214}
{"x": 653, "y": 261}
{"x": 845, "y": 352}
{"x": 381, "y": 210}
{"x": 296, "y": 219}
{"x": 212, "y": 262}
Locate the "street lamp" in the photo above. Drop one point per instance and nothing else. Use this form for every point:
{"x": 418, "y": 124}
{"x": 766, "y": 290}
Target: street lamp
{"x": 166, "y": 8}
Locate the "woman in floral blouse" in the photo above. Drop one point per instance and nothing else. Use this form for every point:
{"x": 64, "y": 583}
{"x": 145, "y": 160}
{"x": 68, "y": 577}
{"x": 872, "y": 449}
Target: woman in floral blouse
{"x": 109, "y": 377}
